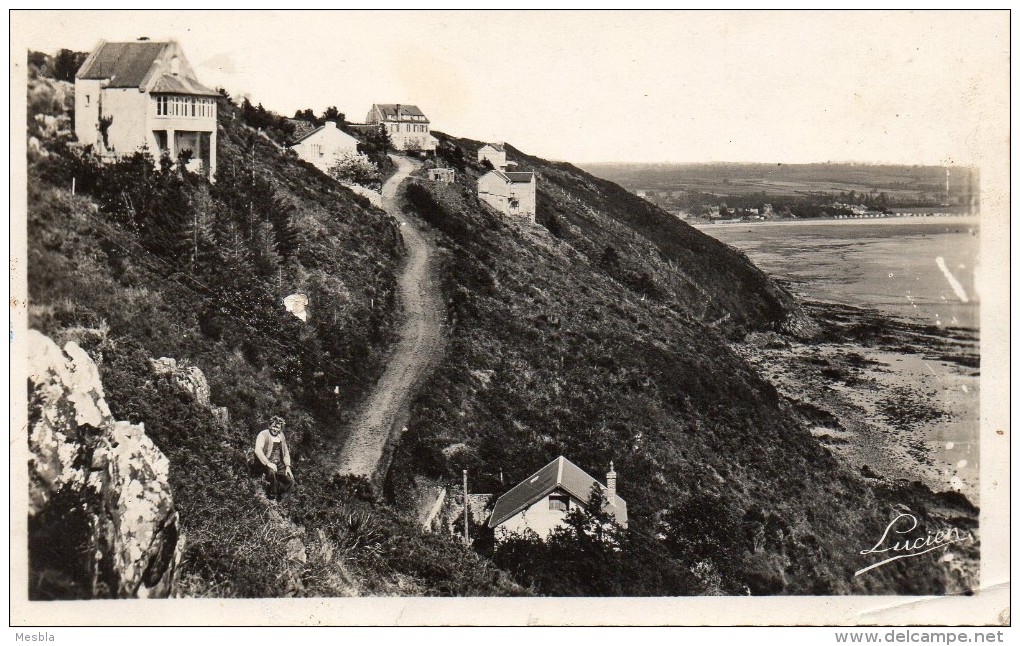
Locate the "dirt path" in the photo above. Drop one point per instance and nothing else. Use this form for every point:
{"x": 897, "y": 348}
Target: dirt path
{"x": 385, "y": 412}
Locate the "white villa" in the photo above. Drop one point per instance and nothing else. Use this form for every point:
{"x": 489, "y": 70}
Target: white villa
{"x": 407, "y": 126}
{"x": 323, "y": 145}
{"x": 542, "y": 502}
{"x": 495, "y": 154}
{"x": 511, "y": 193}
{"x": 144, "y": 95}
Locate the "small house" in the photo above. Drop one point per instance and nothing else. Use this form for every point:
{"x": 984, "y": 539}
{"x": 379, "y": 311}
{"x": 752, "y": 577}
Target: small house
{"x": 495, "y": 154}
{"x": 407, "y": 126}
{"x": 444, "y": 175}
{"x": 323, "y": 145}
{"x": 541, "y": 502}
{"x": 511, "y": 193}
{"x": 138, "y": 95}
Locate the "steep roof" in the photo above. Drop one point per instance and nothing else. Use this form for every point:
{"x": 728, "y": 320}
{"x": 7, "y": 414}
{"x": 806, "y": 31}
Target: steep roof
{"x": 124, "y": 64}
{"x": 135, "y": 65}
{"x": 315, "y": 131}
{"x": 520, "y": 177}
{"x": 561, "y": 473}
{"x": 400, "y": 112}
{"x": 496, "y": 146}
{"x": 301, "y": 127}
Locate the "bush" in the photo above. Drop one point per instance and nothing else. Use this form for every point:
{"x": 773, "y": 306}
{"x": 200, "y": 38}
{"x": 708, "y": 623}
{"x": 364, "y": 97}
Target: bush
{"x": 355, "y": 168}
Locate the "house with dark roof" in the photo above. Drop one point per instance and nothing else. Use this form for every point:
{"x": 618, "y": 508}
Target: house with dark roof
{"x": 542, "y": 501}
{"x": 407, "y": 125}
{"x": 495, "y": 154}
{"x": 322, "y": 146}
{"x": 510, "y": 193}
{"x": 144, "y": 95}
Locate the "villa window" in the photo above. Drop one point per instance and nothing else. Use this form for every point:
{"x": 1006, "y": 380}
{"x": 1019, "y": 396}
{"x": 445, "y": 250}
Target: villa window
{"x": 559, "y": 502}
{"x": 188, "y": 107}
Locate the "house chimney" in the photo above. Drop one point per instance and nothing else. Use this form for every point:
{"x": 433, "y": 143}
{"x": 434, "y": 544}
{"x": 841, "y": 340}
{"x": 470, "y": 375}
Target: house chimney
{"x": 611, "y": 485}
{"x": 331, "y": 124}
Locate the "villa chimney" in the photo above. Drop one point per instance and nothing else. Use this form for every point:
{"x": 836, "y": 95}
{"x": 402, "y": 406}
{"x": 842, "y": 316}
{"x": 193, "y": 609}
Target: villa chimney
{"x": 611, "y": 486}
{"x": 331, "y": 124}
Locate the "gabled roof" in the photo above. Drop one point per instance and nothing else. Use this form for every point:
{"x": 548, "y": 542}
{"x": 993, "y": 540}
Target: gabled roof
{"x": 561, "y": 473}
{"x": 520, "y": 177}
{"x": 316, "y": 131}
{"x": 301, "y": 127}
{"x": 139, "y": 64}
{"x": 496, "y": 146}
{"x": 400, "y": 112}
{"x": 124, "y": 64}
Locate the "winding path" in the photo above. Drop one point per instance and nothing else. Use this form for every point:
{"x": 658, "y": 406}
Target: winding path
{"x": 385, "y": 412}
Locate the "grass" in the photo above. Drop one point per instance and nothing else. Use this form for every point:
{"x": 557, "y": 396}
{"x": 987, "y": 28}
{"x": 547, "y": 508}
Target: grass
{"x": 603, "y": 332}
{"x": 112, "y": 279}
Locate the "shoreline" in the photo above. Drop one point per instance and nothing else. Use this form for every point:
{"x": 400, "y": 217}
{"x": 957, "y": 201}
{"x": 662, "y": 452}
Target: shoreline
{"x": 974, "y": 219}
{"x": 894, "y": 400}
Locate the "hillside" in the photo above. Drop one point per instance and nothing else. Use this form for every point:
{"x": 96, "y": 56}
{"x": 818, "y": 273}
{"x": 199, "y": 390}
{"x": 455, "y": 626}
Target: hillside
{"x": 143, "y": 263}
{"x": 602, "y": 334}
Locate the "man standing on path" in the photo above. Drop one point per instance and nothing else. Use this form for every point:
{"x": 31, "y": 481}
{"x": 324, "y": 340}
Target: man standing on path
{"x": 272, "y": 452}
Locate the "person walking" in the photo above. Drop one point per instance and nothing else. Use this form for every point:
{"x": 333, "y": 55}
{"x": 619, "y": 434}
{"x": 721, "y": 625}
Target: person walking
{"x": 272, "y": 452}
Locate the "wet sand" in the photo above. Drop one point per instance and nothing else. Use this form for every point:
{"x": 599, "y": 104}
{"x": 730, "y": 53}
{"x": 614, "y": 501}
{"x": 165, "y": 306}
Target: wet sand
{"x": 893, "y": 384}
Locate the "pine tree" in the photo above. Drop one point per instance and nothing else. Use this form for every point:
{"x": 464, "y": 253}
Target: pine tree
{"x": 266, "y": 257}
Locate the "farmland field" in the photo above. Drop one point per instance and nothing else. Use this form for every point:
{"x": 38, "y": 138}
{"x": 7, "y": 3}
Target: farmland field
{"x": 901, "y": 184}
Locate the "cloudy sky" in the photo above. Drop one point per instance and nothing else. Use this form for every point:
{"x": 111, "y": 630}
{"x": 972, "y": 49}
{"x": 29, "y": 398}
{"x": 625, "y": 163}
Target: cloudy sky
{"x": 926, "y": 88}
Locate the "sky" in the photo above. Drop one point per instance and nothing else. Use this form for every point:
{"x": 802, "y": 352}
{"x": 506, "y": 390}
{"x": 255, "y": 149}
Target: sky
{"x": 649, "y": 86}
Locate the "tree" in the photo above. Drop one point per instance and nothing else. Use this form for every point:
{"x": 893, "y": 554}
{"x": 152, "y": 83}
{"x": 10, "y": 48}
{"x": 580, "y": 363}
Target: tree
{"x": 66, "y": 64}
{"x": 332, "y": 114}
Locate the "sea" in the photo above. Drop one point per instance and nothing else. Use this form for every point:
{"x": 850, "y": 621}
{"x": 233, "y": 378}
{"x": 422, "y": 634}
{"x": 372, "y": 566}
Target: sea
{"x": 921, "y": 269}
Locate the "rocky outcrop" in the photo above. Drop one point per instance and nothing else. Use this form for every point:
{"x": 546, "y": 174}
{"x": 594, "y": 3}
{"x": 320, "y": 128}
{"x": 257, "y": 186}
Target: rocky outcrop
{"x": 191, "y": 379}
{"x": 102, "y": 519}
{"x": 297, "y": 304}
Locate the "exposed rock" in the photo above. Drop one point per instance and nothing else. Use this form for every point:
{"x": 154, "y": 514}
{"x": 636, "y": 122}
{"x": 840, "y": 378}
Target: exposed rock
{"x": 102, "y": 520}
{"x": 190, "y": 378}
{"x": 297, "y": 304}
{"x": 221, "y": 413}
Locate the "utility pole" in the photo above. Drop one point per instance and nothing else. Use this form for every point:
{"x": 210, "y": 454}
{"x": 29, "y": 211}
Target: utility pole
{"x": 467, "y": 514}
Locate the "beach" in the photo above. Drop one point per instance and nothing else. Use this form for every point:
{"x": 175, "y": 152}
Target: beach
{"x": 893, "y": 382}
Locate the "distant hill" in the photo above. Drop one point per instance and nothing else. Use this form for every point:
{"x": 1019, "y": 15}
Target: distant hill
{"x": 901, "y": 184}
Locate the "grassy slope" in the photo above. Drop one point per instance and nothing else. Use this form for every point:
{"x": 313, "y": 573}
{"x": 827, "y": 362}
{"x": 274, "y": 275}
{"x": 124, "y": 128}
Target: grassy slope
{"x": 90, "y": 281}
{"x": 559, "y": 347}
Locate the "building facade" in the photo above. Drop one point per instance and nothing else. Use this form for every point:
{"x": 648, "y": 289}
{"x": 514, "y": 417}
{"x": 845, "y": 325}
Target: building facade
{"x": 407, "y": 126}
{"x": 541, "y": 502}
{"x": 443, "y": 175}
{"x": 511, "y": 193}
{"x": 322, "y": 146}
{"x": 143, "y": 95}
{"x": 495, "y": 154}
